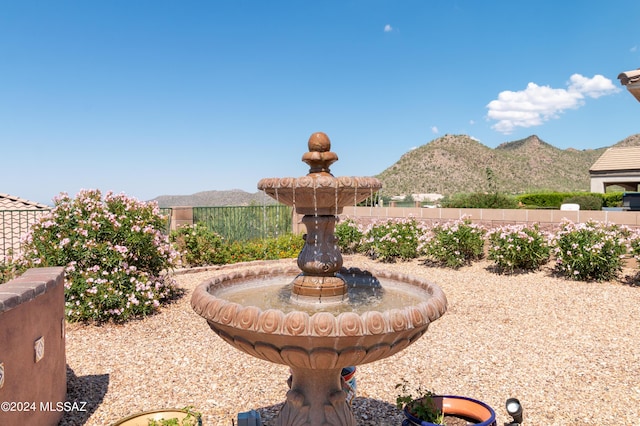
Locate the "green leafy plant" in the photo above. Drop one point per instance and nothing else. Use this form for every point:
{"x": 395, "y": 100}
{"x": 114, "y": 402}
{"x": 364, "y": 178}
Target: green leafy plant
{"x": 455, "y": 243}
{"x": 193, "y": 418}
{"x": 612, "y": 199}
{"x": 590, "y": 250}
{"x": 9, "y": 269}
{"x": 422, "y": 405}
{"x": 586, "y": 202}
{"x": 514, "y": 247}
{"x": 480, "y": 200}
{"x": 394, "y": 239}
{"x": 281, "y": 247}
{"x": 553, "y": 200}
{"x": 199, "y": 246}
{"x": 633, "y": 241}
{"x": 116, "y": 258}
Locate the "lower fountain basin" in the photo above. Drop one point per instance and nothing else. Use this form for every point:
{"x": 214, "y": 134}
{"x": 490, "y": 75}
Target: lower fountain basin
{"x": 316, "y": 337}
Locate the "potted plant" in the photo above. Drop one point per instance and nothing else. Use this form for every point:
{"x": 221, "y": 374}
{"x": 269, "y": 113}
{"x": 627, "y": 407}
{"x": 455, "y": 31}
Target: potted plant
{"x": 429, "y": 409}
{"x": 167, "y": 417}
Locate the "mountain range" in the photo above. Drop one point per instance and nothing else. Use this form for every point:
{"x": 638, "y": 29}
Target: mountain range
{"x": 457, "y": 163}
{"x": 233, "y": 197}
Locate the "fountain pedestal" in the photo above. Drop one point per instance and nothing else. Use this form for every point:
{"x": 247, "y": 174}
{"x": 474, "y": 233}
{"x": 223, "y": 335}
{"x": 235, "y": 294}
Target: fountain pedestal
{"x": 316, "y": 398}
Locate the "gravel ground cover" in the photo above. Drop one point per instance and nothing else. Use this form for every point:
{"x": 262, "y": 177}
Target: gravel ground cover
{"x": 570, "y": 351}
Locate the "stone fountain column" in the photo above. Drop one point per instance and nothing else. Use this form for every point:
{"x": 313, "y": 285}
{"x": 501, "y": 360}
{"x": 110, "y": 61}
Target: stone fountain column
{"x": 316, "y": 398}
{"x": 319, "y": 261}
{"x": 320, "y": 258}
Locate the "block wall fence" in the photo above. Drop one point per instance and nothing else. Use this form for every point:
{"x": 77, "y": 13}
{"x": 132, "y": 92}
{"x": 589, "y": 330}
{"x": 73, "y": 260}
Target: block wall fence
{"x": 490, "y": 218}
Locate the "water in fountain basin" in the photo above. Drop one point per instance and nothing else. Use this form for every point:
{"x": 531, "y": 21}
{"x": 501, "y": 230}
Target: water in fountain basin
{"x": 365, "y": 293}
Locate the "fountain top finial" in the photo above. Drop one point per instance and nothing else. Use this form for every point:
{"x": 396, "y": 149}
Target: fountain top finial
{"x": 319, "y": 142}
{"x": 319, "y": 192}
{"x": 319, "y": 157}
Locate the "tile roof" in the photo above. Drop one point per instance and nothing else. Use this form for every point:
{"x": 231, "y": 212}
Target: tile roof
{"x": 10, "y": 202}
{"x": 613, "y": 159}
{"x": 629, "y": 77}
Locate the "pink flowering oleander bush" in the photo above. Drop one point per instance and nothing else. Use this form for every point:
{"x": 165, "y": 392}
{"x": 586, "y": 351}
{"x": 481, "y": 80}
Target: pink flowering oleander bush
{"x": 514, "y": 247}
{"x": 9, "y": 269}
{"x": 455, "y": 243}
{"x": 349, "y": 236}
{"x": 590, "y": 250}
{"x": 394, "y": 239}
{"x": 115, "y": 256}
{"x": 633, "y": 244}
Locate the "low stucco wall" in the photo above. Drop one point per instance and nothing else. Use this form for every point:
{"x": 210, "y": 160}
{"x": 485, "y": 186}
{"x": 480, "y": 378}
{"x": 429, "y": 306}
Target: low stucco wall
{"x": 32, "y": 348}
{"x": 496, "y": 217}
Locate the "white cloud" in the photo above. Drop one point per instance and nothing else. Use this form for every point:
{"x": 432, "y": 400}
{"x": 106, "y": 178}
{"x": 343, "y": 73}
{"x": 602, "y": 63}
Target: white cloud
{"x": 434, "y": 129}
{"x": 537, "y": 104}
{"x": 634, "y": 49}
{"x": 592, "y": 87}
{"x": 388, "y": 28}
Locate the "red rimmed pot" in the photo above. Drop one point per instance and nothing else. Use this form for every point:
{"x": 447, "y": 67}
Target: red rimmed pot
{"x": 473, "y": 411}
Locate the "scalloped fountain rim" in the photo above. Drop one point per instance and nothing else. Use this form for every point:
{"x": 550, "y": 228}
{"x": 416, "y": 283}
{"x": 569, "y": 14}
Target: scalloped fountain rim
{"x": 336, "y": 192}
{"x": 320, "y": 324}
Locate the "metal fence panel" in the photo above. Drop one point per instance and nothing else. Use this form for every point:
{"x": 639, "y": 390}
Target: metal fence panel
{"x": 14, "y": 224}
{"x": 241, "y": 223}
{"x": 166, "y": 212}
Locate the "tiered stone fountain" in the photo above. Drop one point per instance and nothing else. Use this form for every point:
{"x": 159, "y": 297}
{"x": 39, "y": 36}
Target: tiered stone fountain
{"x": 319, "y": 317}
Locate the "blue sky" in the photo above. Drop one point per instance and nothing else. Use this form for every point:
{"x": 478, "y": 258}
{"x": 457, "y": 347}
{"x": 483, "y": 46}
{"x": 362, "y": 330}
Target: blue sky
{"x": 175, "y": 97}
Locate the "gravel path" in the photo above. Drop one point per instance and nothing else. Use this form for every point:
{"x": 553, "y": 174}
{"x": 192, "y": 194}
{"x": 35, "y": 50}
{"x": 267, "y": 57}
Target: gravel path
{"x": 570, "y": 351}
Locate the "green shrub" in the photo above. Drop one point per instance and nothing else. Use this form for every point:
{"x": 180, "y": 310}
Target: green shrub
{"x": 282, "y": 247}
{"x": 553, "y": 200}
{"x": 514, "y": 247}
{"x": 612, "y": 199}
{"x": 9, "y": 270}
{"x": 479, "y": 200}
{"x": 589, "y": 251}
{"x": 394, "y": 239}
{"x": 199, "y": 246}
{"x": 586, "y": 202}
{"x": 455, "y": 243}
{"x": 348, "y": 236}
{"x": 543, "y": 199}
{"x": 115, "y": 256}
{"x": 634, "y": 245}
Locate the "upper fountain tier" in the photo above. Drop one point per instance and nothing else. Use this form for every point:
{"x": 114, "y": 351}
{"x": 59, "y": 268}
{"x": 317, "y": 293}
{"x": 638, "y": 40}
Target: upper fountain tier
{"x": 319, "y": 192}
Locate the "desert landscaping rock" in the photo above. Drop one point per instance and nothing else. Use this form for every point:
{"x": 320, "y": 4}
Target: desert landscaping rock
{"x": 569, "y": 351}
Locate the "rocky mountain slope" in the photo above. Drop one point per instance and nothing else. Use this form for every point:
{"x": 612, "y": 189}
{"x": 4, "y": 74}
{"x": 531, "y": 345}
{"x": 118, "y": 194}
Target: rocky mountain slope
{"x": 458, "y": 163}
{"x": 235, "y": 197}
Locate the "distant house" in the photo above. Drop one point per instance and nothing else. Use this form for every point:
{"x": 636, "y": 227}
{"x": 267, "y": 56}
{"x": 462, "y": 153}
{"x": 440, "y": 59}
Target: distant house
{"x": 16, "y": 216}
{"x": 617, "y": 166}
